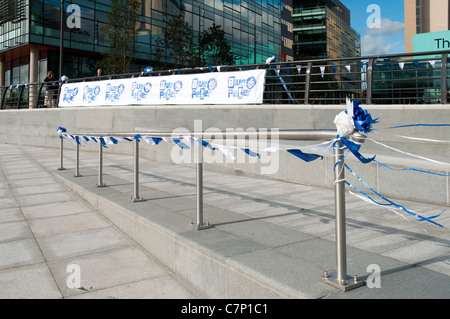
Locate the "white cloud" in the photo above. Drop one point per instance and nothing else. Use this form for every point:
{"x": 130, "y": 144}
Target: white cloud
{"x": 387, "y": 27}
{"x": 375, "y": 45}
{"x": 383, "y": 40}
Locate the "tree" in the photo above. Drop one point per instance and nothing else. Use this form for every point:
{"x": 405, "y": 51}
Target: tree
{"x": 120, "y": 33}
{"x": 214, "y": 48}
{"x": 177, "y": 44}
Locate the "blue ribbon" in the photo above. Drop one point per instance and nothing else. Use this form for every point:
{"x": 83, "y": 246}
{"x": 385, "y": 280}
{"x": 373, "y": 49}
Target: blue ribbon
{"x": 354, "y": 148}
{"x": 285, "y": 86}
{"x": 137, "y": 137}
{"x": 102, "y": 140}
{"x": 390, "y": 203}
{"x": 62, "y": 129}
{"x": 411, "y": 169}
{"x": 180, "y": 144}
{"x": 206, "y": 144}
{"x": 362, "y": 119}
{"x": 272, "y": 60}
{"x": 416, "y": 125}
{"x": 157, "y": 140}
{"x": 307, "y": 157}
{"x": 251, "y": 153}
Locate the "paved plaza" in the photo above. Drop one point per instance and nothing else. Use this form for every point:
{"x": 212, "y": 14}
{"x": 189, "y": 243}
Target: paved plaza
{"x": 270, "y": 239}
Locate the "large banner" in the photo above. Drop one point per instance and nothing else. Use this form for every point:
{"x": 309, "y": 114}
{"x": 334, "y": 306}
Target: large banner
{"x": 243, "y": 87}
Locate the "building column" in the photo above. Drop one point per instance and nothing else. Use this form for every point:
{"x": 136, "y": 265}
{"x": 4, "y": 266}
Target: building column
{"x": 34, "y": 73}
{"x": 2, "y": 70}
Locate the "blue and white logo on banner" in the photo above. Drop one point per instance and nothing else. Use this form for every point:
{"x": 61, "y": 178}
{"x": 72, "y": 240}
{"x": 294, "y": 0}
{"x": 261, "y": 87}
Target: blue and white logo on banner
{"x": 90, "y": 93}
{"x": 69, "y": 94}
{"x": 113, "y": 92}
{"x": 240, "y": 87}
{"x": 140, "y": 91}
{"x": 169, "y": 89}
{"x": 203, "y": 89}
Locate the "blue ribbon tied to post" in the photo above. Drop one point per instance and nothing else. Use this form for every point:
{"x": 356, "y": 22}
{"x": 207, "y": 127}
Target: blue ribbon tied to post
{"x": 355, "y": 120}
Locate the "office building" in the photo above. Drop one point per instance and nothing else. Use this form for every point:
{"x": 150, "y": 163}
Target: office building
{"x": 426, "y": 25}
{"x": 30, "y": 33}
{"x": 322, "y": 30}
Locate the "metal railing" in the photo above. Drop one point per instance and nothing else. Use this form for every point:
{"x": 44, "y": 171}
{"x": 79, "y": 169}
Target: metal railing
{"x": 340, "y": 279}
{"x": 414, "y": 78}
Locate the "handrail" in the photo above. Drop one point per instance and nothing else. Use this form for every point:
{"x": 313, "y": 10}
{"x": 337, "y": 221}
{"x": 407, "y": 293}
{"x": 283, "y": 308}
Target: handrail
{"x": 389, "y": 79}
{"x": 282, "y": 134}
{"x": 339, "y": 280}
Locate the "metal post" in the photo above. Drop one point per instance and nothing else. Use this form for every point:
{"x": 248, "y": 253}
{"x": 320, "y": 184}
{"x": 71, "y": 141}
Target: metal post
{"x": 340, "y": 280}
{"x": 100, "y": 165}
{"x": 61, "y": 39}
{"x": 199, "y": 162}
{"x": 308, "y": 82}
{"x": 3, "y": 105}
{"x": 444, "y": 95}
{"x": 77, "y": 166}
{"x": 21, "y": 88}
{"x": 369, "y": 76}
{"x": 339, "y": 199}
{"x": 38, "y": 95}
{"x": 136, "y": 197}
{"x": 61, "y": 153}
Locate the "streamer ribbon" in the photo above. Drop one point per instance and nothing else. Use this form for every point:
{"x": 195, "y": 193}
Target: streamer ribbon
{"x": 304, "y": 156}
{"x": 389, "y": 202}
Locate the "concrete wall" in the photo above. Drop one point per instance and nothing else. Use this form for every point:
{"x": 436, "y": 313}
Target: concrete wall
{"x": 38, "y": 127}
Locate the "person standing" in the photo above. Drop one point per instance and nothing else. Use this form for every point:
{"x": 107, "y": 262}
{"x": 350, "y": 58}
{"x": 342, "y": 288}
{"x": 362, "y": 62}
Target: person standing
{"x": 50, "y": 89}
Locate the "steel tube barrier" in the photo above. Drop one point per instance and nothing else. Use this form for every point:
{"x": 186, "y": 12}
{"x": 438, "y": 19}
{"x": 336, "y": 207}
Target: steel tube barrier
{"x": 199, "y": 188}
{"x": 100, "y": 165}
{"x": 338, "y": 280}
{"x": 136, "y": 196}
{"x": 408, "y": 78}
{"x": 61, "y": 154}
{"x": 77, "y": 161}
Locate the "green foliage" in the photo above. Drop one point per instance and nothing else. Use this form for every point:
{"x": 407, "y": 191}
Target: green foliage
{"x": 214, "y": 48}
{"x": 177, "y": 44}
{"x": 120, "y": 32}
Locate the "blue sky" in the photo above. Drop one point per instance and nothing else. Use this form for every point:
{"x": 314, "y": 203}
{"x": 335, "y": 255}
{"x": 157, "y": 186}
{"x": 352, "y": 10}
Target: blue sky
{"x": 389, "y": 37}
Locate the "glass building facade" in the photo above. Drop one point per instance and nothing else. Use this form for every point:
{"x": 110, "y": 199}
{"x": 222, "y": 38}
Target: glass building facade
{"x": 322, "y": 30}
{"x": 30, "y": 33}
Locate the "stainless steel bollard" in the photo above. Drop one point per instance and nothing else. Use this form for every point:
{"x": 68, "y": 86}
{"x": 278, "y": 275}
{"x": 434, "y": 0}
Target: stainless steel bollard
{"x": 61, "y": 154}
{"x": 340, "y": 279}
{"x": 77, "y": 161}
{"x": 198, "y": 149}
{"x": 339, "y": 198}
{"x": 100, "y": 165}
{"x": 136, "y": 197}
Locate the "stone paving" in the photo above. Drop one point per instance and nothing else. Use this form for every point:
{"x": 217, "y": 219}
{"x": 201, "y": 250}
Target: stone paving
{"x": 45, "y": 228}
